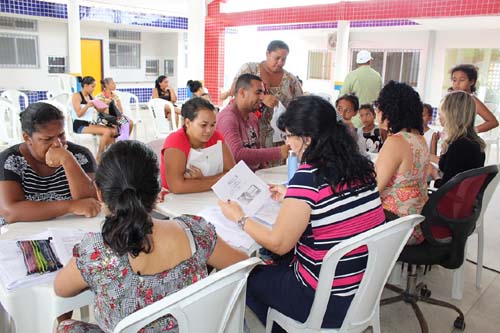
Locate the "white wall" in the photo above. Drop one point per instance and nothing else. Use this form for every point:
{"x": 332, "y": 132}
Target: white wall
{"x": 456, "y": 39}
{"x": 52, "y": 41}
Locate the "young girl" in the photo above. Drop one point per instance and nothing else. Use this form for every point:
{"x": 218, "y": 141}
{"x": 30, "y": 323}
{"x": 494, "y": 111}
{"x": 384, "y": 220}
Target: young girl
{"x": 464, "y": 78}
{"x": 370, "y": 134}
{"x": 347, "y": 106}
{"x": 430, "y": 136}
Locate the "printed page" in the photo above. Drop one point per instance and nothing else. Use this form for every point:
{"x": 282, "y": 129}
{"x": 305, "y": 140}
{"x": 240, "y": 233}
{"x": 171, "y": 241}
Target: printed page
{"x": 226, "y": 229}
{"x": 209, "y": 160}
{"x": 242, "y": 185}
{"x": 63, "y": 242}
{"x": 277, "y": 133}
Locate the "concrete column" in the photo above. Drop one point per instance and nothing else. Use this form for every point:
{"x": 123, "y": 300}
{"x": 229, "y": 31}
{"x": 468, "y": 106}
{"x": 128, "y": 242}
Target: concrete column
{"x": 74, "y": 47}
{"x": 196, "y": 40}
{"x": 428, "y": 84}
{"x": 341, "y": 56}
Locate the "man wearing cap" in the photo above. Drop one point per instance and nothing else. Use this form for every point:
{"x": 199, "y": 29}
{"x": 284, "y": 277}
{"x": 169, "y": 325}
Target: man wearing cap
{"x": 364, "y": 81}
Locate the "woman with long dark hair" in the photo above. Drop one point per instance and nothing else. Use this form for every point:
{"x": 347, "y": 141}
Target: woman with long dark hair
{"x": 333, "y": 196}
{"x": 137, "y": 259}
{"x": 164, "y": 91}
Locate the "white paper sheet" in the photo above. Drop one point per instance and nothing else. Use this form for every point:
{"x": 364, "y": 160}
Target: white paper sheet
{"x": 210, "y": 160}
{"x": 242, "y": 185}
{"x": 277, "y": 134}
{"x": 12, "y": 268}
{"x": 226, "y": 229}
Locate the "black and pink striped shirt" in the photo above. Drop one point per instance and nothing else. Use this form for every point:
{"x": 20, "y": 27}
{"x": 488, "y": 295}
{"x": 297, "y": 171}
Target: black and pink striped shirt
{"x": 333, "y": 219}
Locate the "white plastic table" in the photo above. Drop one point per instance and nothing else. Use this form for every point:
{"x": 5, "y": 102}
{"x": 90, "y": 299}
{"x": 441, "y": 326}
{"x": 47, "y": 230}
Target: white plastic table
{"x": 34, "y": 308}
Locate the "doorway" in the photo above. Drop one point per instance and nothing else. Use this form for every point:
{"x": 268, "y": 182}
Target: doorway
{"x": 91, "y": 50}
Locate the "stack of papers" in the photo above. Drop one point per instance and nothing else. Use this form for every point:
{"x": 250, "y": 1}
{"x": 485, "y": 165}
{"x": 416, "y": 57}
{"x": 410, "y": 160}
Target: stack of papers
{"x": 13, "y": 273}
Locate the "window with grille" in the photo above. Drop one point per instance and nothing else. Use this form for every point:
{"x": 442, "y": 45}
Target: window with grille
{"x": 398, "y": 65}
{"x": 168, "y": 67}
{"x": 19, "y": 24}
{"x": 153, "y": 67}
{"x": 123, "y": 51}
{"x": 57, "y": 65}
{"x": 319, "y": 65}
{"x": 18, "y": 51}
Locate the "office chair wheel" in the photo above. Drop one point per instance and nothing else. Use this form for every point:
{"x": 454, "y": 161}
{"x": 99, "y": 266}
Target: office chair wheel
{"x": 459, "y": 323}
{"x": 424, "y": 292}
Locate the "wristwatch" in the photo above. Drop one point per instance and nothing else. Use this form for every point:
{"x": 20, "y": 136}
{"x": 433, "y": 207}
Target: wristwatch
{"x": 241, "y": 222}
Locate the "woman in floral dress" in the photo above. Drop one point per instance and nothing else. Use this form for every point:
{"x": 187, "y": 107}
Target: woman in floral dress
{"x": 136, "y": 260}
{"x": 404, "y": 158}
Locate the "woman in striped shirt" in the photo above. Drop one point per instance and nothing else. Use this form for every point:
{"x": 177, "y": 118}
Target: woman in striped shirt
{"x": 333, "y": 196}
{"x": 45, "y": 176}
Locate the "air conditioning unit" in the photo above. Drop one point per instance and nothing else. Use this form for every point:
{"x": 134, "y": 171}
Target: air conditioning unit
{"x": 331, "y": 41}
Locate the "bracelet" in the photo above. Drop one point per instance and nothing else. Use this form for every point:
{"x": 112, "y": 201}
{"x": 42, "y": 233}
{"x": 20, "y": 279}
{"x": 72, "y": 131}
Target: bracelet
{"x": 241, "y": 222}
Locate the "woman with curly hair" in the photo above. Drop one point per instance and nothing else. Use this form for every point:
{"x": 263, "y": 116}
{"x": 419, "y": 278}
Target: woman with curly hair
{"x": 403, "y": 160}
{"x": 332, "y": 197}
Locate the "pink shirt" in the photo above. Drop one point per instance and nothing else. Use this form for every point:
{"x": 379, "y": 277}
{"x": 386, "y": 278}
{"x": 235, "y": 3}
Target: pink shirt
{"x": 242, "y": 138}
{"x": 179, "y": 140}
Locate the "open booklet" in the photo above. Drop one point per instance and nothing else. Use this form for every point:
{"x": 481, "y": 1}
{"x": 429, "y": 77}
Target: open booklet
{"x": 13, "y": 272}
{"x": 240, "y": 184}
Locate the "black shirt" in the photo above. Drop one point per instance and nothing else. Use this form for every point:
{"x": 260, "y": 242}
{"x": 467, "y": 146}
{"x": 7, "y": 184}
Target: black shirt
{"x": 462, "y": 155}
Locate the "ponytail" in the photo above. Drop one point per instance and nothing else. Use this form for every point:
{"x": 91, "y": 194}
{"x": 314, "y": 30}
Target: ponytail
{"x": 127, "y": 178}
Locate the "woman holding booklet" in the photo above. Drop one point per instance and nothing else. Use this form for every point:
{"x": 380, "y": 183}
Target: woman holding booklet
{"x": 332, "y": 196}
{"x": 195, "y": 157}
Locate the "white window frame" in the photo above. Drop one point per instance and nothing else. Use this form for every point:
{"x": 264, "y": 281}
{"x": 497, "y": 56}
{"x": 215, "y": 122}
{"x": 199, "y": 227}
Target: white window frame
{"x": 121, "y": 38}
{"x": 17, "y": 56}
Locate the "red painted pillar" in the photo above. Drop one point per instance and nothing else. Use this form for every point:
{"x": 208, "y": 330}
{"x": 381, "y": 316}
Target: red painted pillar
{"x": 214, "y": 50}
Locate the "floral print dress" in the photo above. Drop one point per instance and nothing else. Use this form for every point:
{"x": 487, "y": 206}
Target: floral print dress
{"x": 120, "y": 292}
{"x": 406, "y": 193}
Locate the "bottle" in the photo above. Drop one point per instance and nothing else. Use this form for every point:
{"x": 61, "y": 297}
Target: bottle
{"x": 293, "y": 163}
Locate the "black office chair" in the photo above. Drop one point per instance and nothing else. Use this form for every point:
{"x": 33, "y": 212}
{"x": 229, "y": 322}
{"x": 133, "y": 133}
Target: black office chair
{"x": 450, "y": 217}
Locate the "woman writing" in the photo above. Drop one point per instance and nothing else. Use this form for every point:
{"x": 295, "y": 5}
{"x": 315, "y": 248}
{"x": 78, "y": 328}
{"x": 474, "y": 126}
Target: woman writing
{"x": 333, "y": 196}
{"x": 136, "y": 259}
{"x": 404, "y": 158}
{"x": 464, "y": 78}
{"x": 281, "y": 85}
{"x": 83, "y": 116}
{"x": 198, "y": 132}
{"x": 45, "y": 176}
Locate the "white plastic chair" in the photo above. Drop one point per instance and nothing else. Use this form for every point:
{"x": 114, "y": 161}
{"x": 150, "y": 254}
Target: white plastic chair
{"x": 162, "y": 125}
{"x": 31, "y": 312}
{"x": 14, "y": 97}
{"x": 458, "y": 274}
{"x": 10, "y": 125}
{"x": 60, "y": 96}
{"x": 384, "y": 243}
{"x": 90, "y": 141}
{"x": 128, "y": 100}
{"x": 214, "y": 304}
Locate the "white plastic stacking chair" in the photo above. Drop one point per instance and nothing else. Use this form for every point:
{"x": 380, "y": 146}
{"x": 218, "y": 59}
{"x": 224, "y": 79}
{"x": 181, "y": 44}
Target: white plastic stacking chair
{"x": 90, "y": 141}
{"x": 130, "y": 104}
{"x": 384, "y": 243}
{"x": 14, "y": 96}
{"x": 214, "y": 304}
{"x": 163, "y": 126}
{"x": 10, "y": 125}
{"x": 458, "y": 274}
{"x": 60, "y": 96}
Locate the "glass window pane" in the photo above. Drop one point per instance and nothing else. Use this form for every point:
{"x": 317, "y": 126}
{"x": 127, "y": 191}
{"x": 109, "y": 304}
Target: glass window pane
{"x": 409, "y": 73}
{"x": 392, "y": 66}
{"x": 27, "y": 51}
{"x": 7, "y": 51}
